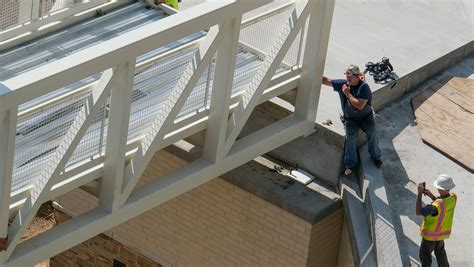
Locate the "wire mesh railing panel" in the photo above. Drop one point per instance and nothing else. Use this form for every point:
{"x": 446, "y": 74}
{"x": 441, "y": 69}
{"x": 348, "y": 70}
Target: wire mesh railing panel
{"x": 14, "y": 12}
{"x": 152, "y": 86}
{"x": 256, "y": 40}
{"x": 39, "y": 135}
{"x": 247, "y": 63}
{"x": 92, "y": 143}
{"x": 295, "y": 52}
{"x": 261, "y": 34}
{"x": 200, "y": 96}
{"x": 49, "y": 6}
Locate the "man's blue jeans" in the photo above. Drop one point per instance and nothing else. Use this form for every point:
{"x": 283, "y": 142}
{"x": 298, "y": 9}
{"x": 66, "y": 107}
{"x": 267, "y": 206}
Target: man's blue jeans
{"x": 352, "y": 128}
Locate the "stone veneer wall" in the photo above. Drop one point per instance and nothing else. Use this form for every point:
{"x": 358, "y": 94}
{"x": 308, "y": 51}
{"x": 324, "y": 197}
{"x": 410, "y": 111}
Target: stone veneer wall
{"x": 101, "y": 251}
{"x": 219, "y": 224}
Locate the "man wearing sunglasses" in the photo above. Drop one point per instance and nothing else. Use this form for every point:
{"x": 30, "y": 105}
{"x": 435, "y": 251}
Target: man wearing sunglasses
{"x": 356, "y": 104}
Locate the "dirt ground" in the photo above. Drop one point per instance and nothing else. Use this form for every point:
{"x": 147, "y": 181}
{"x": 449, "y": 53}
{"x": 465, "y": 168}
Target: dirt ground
{"x": 43, "y": 221}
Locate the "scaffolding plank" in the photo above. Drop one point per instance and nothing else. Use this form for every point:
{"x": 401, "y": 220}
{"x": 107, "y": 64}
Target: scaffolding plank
{"x": 445, "y": 123}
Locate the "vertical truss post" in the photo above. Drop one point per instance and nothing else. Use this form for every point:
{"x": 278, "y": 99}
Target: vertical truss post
{"x": 221, "y": 91}
{"x": 314, "y": 58}
{"x": 35, "y": 9}
{"x": 8, "y": 121}
{"x": 117, "y": 132}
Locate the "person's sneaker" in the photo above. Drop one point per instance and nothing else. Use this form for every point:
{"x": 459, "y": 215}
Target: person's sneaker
{"x": 378, "y": 163}
{"x": 348, "y": 172}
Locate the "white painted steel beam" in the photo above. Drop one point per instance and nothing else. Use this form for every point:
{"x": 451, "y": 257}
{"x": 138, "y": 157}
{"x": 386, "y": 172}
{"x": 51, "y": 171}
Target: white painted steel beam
{"x": 314, "y": 59}
{"x": 263, "y": 76}
{"x": 8, "y": 121}
{"x": 116, "y": 142}
{"x": 35, "y": 9}
{"x": 221, "y": 92}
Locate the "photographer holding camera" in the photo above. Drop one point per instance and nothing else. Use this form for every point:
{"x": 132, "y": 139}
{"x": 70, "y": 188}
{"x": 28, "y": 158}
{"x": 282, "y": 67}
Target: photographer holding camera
{"x": 356, "y": 104}
{"x": 438, "y": 220}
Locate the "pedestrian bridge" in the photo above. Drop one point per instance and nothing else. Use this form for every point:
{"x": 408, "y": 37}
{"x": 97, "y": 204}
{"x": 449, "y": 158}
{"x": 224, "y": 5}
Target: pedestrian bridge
{"x": 91, "y": 90}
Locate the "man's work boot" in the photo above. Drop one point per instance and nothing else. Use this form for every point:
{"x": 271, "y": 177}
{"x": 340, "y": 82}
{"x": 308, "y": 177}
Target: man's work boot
{"x": 348, "y": 172}
{"x": 378, "y": 163}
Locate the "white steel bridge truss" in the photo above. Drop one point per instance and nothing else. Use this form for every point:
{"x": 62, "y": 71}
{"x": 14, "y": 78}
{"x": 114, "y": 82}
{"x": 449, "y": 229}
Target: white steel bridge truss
{"x": 118, "y": 166}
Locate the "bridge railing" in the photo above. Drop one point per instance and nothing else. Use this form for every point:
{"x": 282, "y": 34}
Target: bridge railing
{"x": 119, "y": 102}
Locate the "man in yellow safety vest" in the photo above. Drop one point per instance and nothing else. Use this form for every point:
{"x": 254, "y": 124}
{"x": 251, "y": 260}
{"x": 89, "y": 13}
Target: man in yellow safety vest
{"x": 438, "y": 220}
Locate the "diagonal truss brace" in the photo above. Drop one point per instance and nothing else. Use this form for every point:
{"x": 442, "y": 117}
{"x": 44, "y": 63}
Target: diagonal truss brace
{"x": 40, "y": 191}
{"x": 263, "y": 76}
{"x": 171, "y": 108}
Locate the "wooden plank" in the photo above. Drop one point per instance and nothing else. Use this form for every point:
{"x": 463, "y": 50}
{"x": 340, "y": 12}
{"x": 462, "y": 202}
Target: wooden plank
{"x": 463, "y": 85}
{"x": 446, "y": 126}
{"x": 458, "y": 91}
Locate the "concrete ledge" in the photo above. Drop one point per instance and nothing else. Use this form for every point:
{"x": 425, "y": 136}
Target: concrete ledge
{"x": 261, "y": 179}
{"x": 362, "y": 244}
{"x": 319, "y": 153}
{"x": 380, "y": 216}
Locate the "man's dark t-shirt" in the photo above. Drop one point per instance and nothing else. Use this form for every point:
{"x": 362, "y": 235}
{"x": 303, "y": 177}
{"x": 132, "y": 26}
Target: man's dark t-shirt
{"x": 360, "y": 91}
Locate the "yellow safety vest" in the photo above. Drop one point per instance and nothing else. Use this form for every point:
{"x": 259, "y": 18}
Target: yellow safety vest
{"x": 439, "y": 227}
{"x": 173, "y": 3}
